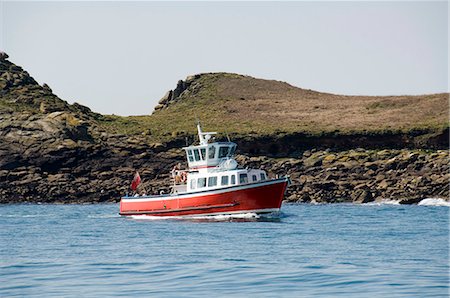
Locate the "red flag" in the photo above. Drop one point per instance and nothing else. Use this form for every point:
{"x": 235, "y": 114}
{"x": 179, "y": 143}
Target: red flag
{"x": 136, "y": 181}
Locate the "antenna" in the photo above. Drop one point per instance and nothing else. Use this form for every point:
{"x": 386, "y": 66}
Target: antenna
{"x": 204, "y": 137}
{"x": 197, "y": 121}
{"x": 228, "y": 137}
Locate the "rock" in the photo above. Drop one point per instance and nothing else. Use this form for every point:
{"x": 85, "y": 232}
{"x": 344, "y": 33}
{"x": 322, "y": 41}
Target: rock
{"x": 3, "y": 84}
{"x": 329, "y": 158}
{"x": 380, "y": 177}
{"x": 15, "y": 68}
{"x": 3, "y": 56}
{"x": 165, "y": 98}
{"x": 159, "y": 107}
{"x": 68, "y": 143}
{"x": 362, "y": 196}
{"x": 383, "y": 184}
{"x": 371, "y": 165}
{"x": 361, "y": 186}
{"x": 47, "y": 87}
{"x": 190, "y": 79}
{"x": 181, "y": 86}
{"x": 157, "y": 146}
{"x": 412, "y": 200}
{"x": 314, "y": 160}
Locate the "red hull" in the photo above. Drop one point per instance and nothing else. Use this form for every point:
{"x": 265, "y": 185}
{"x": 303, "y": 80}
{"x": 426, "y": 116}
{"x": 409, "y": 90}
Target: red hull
{"x": 258, "y": 197}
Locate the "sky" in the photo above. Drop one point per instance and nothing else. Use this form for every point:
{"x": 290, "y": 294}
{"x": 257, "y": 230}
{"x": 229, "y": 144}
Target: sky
{"x": 121, "y": 57}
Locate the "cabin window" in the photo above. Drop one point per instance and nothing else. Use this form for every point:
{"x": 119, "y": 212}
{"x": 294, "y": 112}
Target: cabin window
{"x": 243, "y": 178}
{"x": 233, "y": 179}
{"x": 190, "y": 157}
{"x": 224, "y": 180}
{"x": 212, "y": 181}
{"x": 201, "y": 182}
{"x": 211, "y": 152}
{"x": 263, "y": 176}
{"x": 254, "y": 178}
{"x": 193, "y": 184}
{"x": 203, "y": 153}
{"x": 223, "y": 151}
{"x": 233, "y": 148}
{"x": 197, "y": 155}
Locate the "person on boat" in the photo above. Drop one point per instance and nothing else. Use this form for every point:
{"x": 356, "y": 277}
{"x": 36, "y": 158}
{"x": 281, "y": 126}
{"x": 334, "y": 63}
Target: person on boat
{"x": 175, "y": 173}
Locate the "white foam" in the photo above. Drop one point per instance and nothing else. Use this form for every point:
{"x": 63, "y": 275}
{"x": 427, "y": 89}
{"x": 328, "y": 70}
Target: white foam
{"x": 434, "y": 202}
{"x": 249, "y": 215}
{"x": 390, "y": 202}
{"x": 383, "y": 202}
{"x": 26, "y": 215}
{"x": 217, "y": 217}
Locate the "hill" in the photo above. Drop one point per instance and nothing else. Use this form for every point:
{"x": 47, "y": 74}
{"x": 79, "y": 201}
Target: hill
{"x": 242, "y": 104}
{"x": 246, "y": 107}
{"x": 331, "y": 145}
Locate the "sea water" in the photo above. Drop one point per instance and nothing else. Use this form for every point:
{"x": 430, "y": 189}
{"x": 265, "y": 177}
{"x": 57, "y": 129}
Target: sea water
{"x": 339, "y": 250}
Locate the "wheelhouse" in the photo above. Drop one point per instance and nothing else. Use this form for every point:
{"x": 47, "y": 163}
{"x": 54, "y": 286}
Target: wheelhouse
{"x": 209, "y": 155}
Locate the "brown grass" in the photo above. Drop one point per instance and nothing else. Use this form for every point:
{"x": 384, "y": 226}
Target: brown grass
{"x": 241, "y": 105}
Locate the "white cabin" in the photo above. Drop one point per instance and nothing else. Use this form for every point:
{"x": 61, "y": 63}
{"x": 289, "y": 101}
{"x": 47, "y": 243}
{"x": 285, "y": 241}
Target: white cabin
{"x": 212, "y": 166}
{"x": 219, "y": 179}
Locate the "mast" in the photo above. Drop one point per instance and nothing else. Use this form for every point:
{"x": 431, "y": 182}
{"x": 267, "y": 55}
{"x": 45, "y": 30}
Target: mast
{"x": 204, "y": 137}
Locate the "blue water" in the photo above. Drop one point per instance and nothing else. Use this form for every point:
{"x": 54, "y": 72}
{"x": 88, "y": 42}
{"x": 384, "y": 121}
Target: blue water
{"x": 310, "y": 250}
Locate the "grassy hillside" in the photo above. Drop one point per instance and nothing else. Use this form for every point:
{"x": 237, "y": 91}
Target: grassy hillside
{"x": 243, "y": 105}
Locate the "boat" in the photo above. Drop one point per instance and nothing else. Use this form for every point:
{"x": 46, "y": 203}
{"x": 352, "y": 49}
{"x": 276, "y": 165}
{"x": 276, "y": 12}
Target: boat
{"x": 213, "y": 184}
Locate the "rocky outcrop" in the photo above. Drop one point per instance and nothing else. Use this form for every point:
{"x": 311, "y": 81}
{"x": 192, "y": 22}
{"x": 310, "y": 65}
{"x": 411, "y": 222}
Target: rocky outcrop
{"x": 189, "y": 86}
{"x": 51, "y": 151}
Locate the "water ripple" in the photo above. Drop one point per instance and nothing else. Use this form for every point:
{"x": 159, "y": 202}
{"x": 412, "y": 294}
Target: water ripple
{"x": 339, "y": 250}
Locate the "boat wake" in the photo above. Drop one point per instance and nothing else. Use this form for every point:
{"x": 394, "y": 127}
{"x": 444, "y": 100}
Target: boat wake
{"x": 238, "y": 217}
{"x": 227, "y": 217}
{"x": 434, "y": 202}
{"x": 100, "y": 216}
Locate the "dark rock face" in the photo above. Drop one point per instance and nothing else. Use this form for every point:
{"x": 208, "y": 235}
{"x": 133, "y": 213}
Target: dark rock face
{"x": 81, "y": 172}
{"x": 289, "y": 144}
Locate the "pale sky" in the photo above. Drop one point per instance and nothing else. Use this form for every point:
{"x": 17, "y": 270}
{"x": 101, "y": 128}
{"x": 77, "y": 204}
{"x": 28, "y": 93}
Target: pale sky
{"x": 121, "y": 57}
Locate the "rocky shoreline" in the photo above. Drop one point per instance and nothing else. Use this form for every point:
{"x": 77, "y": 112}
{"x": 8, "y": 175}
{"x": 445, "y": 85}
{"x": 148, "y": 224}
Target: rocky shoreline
{"x": 358, "y": 176}
{"x": 363, "y": 176}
